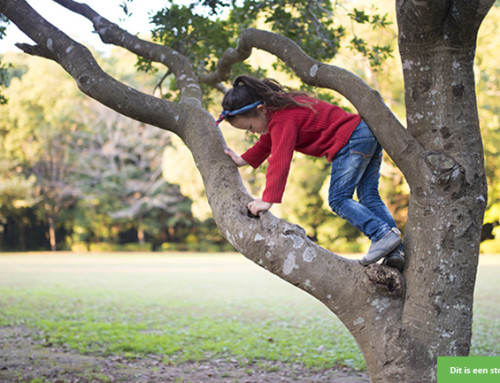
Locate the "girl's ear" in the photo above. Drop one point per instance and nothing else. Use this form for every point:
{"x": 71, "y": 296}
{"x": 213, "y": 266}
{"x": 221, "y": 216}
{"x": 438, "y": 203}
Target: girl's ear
{"x": 262, "y": 108}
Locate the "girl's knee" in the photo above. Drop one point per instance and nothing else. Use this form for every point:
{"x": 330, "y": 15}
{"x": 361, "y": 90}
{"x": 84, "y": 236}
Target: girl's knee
{"x": 335, "y": 202}
{"x": 368, "y": 199}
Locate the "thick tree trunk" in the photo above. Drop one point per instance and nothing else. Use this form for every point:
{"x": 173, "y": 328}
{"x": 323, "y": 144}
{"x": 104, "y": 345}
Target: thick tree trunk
{"x": 448, "y": 199}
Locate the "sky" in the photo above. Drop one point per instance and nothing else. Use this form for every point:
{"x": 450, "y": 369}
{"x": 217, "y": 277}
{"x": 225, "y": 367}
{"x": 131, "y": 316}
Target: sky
{"x": 79, "y": 27}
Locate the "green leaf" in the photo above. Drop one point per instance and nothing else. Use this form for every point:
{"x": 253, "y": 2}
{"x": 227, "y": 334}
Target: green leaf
{"x": 359, "y": 16}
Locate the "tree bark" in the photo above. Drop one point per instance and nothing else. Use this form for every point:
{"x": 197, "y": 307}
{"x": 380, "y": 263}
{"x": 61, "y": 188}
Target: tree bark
{"x": 52, "y": 229}
{"x": 401, "y": 324}
{"x": 141, "y": 238}
{"x": 437, "y": 45}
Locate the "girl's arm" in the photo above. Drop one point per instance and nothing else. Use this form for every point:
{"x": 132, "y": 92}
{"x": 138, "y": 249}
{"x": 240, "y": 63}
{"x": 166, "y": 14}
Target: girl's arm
{"x": 235, "y": 157}
{"x": 258, "y": 153}
{"x": 283, "y": 145}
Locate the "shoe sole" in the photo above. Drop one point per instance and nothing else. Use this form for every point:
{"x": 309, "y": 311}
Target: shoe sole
{"x": 396, "y": 262}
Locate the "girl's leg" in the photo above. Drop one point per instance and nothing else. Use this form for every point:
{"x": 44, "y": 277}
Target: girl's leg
{"x": 348, "y": 169}
{"x": 369, "y": 196}
{"x": 368, "y": 189}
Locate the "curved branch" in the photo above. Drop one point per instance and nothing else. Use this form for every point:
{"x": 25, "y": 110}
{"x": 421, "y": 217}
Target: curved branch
{"x": 78, "y": 61}
{"x": 401, "y": 146}
{"x": 112, "y": 34}
{"x": 229, "y": 58}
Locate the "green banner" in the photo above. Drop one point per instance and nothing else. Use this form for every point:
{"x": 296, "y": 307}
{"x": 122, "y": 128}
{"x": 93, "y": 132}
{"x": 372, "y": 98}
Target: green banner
{"x": 468, "y": 369}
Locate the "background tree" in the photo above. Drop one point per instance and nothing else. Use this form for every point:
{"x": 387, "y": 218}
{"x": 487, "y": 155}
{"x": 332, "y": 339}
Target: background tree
{"x": 38, "y": 128}
{"x": 16, "y": 195}
{"x": 121, "y": 161}
{"x": 59, "y": 147}
{"x": 401, "y": 323}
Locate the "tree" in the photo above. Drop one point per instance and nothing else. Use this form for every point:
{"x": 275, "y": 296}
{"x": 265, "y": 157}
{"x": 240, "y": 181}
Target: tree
{"x": 16, "y": 194}
{"x": 121, "y": 162}
{"x": 37, "y": 128}
{"x": 83, "y": 161}
{"x": 402, "y": 322}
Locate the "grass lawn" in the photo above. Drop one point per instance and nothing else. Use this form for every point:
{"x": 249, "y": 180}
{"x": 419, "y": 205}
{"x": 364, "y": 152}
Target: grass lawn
{"x": 189, "y": 307}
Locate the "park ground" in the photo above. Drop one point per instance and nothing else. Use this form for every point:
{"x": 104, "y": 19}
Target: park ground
{"x": 26, "y": 360}
{"x": 211, "y": 318}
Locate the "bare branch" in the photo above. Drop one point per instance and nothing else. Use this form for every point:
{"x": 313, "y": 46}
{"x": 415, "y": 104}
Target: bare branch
{"x": 229, "y": 58}
{"x": 90, "y": 78}
{"x": 160, "y": 83}
{"x": 33, "y": 50}
{"x": 112, "y": 34}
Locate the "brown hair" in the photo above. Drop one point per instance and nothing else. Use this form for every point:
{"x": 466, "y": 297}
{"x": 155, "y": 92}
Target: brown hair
{"x": 247, "y": 90}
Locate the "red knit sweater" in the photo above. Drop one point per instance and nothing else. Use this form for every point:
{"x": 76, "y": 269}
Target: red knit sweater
{"x": 320, "y": 131}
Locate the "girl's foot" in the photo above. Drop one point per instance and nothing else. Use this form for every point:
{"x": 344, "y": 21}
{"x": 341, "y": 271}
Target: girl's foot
{"x": 382, "y": 247}
{"x": 396, "y": 259}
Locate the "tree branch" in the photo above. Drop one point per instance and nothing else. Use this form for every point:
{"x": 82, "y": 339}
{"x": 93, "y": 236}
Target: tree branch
{"x": 112, "y": 34}
{"x": 229, "y": 58}
{"x": 34, "y": 50}
{"x": 77, "y": 60}
{"x": 402, "y": 147}
{"x": 329, "y": 76}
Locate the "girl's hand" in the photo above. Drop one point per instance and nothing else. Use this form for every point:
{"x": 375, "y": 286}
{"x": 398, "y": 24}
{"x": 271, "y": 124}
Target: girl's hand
{"x": 235, "y": 157}
{"x": 258, "y": 205}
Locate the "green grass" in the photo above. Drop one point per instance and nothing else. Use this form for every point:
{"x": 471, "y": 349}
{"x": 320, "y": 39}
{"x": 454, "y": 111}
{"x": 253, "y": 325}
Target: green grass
{"x": 192, "y": 307}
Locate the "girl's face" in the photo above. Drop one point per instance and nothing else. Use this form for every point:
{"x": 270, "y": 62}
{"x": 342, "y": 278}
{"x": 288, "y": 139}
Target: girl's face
{"x": 256, "y": 123}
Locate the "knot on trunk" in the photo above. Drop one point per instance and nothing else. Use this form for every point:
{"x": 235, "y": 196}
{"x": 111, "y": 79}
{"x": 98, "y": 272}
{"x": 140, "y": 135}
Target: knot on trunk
{"x": 446, "y": 179}
{"x": 386, "y": 278}
{"x": 440, "y": 163}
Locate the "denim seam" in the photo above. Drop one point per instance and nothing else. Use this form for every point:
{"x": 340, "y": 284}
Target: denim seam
{"x": 365, "y": 156}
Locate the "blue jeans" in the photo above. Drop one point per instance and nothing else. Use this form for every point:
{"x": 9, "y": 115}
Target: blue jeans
{"x": 357, "y": 167}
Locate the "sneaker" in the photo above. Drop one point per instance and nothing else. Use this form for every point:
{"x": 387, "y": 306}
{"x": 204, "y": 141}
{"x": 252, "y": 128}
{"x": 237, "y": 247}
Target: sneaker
{"x": 382, "y": 247}
{"x": 395, "y": 259}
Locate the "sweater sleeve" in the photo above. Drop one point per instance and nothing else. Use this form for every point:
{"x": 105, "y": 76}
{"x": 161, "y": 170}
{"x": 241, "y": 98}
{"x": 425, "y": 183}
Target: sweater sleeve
{"x": 284, "y": 138}
{"x": 258, "y": 153}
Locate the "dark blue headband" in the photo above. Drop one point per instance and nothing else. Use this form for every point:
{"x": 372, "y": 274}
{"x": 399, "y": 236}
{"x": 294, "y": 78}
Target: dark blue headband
{"x": 226, "y": 113}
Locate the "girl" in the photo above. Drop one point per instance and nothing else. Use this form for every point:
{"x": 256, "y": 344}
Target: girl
{"x": 289, "y": 121}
